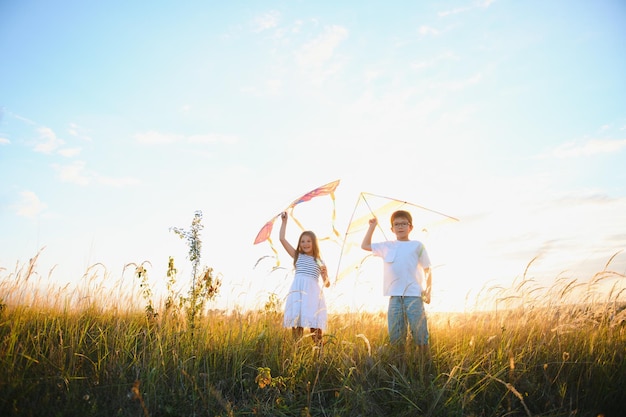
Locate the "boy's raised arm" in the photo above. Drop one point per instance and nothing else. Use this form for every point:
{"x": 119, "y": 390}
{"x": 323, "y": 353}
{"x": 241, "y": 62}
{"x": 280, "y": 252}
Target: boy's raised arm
{"x": 367, "y": 239}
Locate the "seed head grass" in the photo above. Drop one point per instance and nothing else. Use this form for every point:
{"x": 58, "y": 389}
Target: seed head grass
{"x": 93, "y": 351}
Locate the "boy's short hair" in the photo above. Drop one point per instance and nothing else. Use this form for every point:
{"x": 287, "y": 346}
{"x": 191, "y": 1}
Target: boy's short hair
{"x": 403, "y": 214}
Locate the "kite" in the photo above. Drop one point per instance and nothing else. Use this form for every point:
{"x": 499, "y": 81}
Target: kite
{"x": 266, "y": 231}
{"x": 369, "y": 205}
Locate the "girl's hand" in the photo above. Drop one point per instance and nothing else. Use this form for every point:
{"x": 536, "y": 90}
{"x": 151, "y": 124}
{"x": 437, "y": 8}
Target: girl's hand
{"x": 283, "y": 216}
{"x": 324, "y": 273}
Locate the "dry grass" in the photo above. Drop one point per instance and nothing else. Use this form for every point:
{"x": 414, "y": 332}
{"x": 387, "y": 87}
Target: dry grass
{"x": 539, "y": 353}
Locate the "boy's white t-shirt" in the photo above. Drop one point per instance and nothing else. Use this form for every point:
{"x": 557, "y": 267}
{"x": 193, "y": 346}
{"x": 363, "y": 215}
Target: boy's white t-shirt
{"x": 404, "y": 264}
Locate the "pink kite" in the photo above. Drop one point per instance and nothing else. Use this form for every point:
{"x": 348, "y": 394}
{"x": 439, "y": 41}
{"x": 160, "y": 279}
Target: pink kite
{"x": 327, "y": 189}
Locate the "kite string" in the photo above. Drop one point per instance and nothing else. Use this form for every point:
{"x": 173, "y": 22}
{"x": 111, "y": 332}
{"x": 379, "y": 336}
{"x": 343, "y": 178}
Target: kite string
{"x": 372, "y": 211}
{"x": 346, "y": 236}
{"x": 361, "y": 196}
{"x": 362, "y": 221}
{"x": 411, "y": 204}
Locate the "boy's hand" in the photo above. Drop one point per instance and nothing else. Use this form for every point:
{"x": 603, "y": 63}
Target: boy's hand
{"x": 426, "y": 297}
{"x": 367, "y": 239}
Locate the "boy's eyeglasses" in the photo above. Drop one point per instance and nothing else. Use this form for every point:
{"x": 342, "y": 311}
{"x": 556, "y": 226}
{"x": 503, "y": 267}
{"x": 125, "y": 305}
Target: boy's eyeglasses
{"x": 404, "y": 224}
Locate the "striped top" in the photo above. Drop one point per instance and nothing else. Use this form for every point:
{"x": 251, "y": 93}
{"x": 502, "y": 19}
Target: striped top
{"x": 307, "y": 266}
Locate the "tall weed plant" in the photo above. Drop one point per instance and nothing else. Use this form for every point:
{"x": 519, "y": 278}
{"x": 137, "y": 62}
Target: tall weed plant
{"x": 205, "y": 284}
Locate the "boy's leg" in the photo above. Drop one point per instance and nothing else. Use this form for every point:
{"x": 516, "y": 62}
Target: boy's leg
{"x": 396, "y": 321}
{"x": 417, "y": 320}
{"x": 419, "y": 330}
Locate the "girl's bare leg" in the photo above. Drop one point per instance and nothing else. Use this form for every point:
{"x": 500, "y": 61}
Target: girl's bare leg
{"x": 317, "y": 336}
{"x": 297, "y": 333}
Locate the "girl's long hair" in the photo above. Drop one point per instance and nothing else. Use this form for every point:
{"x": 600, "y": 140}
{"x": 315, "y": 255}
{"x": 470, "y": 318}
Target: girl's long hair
{"x": 316, "y": 247}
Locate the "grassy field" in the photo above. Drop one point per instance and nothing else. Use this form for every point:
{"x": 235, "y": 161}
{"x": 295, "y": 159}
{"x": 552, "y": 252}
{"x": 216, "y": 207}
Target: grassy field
{"x": 536, "y": 355}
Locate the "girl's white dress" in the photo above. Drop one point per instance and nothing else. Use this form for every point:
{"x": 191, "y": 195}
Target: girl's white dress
{"x": 305, "y": 305}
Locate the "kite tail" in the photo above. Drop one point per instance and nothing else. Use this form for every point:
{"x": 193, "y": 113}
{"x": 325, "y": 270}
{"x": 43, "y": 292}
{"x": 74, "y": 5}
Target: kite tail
{"x": 269, "y": 240}
{"x": 294, "y": 219}
{"x": 335, "y": 231}
{"x": 337, "y": 236}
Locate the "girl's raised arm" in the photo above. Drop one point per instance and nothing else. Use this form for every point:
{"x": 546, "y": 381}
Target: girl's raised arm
{"x": 283, "y": 227}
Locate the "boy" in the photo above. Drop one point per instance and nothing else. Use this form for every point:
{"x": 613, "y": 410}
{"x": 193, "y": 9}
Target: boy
{"x": 406, "y": 269}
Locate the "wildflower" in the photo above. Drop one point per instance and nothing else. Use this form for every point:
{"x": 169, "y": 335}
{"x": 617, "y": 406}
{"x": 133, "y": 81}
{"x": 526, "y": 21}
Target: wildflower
{"x": 134, "y": 393}
{"x": 264, "y": 378}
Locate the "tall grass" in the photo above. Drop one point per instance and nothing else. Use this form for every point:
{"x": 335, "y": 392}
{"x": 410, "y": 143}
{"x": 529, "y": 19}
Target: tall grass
{"x": 539, "y": 353}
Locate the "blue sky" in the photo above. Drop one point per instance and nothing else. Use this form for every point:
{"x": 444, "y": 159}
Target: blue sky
{"x": 120, "y": 119}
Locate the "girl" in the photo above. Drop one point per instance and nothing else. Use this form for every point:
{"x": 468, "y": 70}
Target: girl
{"x": 305, "y": 305}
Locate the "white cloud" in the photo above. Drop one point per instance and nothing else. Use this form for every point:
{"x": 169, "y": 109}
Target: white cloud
{"x": 314, "y": 57}
{"x": 29, "y": 205}
{"x": 76, "y": 173}
{"x": 269, "y": 87}
{"x": 48, "y": 140}
{"x": 70, "y": 152}
{"x": 266, "y": 21}
{"x": 212, "y": 138}
{"x": 583, "y": 197}
{"x": 454, "y": 11}
{"x": 73, "y": 173}
{"x": 118, "y": 182}
{"x": 297, "y": 26}
{"x": 78, "y": 132}
{"x": 320, "y": 50}
{"x": 477, "y": 5}
{"x": 153, "y": 137}
{"x": 592, "y": 147}
{"x": 371, "y": 75}
{"x": 434, "y": 61}
{"x": 456, "y": 85}
{"x": 273, "y": 87}
{"x": 22, "y": 119}
{"x": 427, "y": 30}
{"x": 4, "y": 141}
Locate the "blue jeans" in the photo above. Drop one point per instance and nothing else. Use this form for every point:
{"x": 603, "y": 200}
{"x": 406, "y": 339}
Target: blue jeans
{"x": 406, "y": 312}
